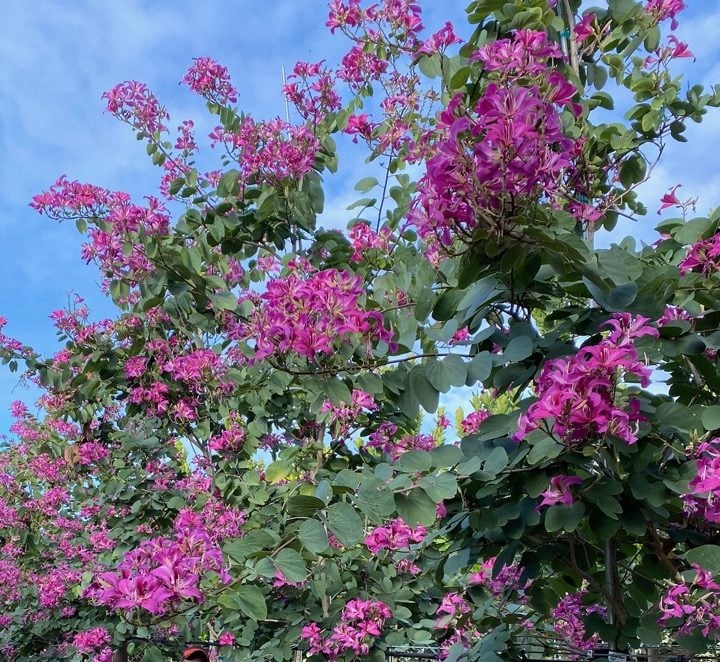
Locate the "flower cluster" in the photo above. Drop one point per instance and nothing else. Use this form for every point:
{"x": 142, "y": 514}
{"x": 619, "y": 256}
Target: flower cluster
{"x": 695, "y": 602}
{"x": 568, "y": 623}
{"x": 134, "y": 103}
{"x": 308, "y": 314}
{"x": 471, "y": 423}
{"x": 363, "y": 238}
{"x": 509, "y": 146}
{"x": 662, "y": 10}
{"x": 269, "y": 151}
{"x": 312, "y": 91}
{"x": 344, "y": 414}
{"x": 703, "y": 257}
{"x": 116, "y": 243}
{"x": 210, "y": 80}
{"x": 393, "y": 536}
{"x": 577, "y": 394}
{"x": 452, "y": 622}
{"x": 508, "y": 578}
{"x": 384, "y": 440}
{"x": 161, "y": 572}
{"x": 360, "y": 623}
{"x": 88, "y": 641}
{"x": 701, "y": 499}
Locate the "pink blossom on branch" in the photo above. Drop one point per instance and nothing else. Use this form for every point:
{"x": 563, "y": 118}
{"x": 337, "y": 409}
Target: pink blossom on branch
{"x": 134, "y": 103}
{"x": 703, "y": 257}
{"x": 210, "y": 80}
{"x": 577, "y": 394}
{"x": 393, "y": 536}
{"x": 662, "y": 10}
{"x": 559, "y": 491}
{"x": 308, "y": 315}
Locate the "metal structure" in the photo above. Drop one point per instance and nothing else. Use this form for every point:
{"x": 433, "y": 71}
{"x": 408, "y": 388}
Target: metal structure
{"x": 136, "y": 649}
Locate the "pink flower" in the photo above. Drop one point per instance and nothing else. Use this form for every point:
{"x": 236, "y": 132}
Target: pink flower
{"x": 662, "y": 10}
{"x": 135, "y": 104}
{"x": 440, "y": 40}
{"x": 559, "y": 491}
{"x": 394, "y": 536}
{"x": 90, "y": 640}
{"x": 584, "y": 28}
{"x": 679, "y": 48}
{"x": 625, "y": 328}
{"x": 211, "y": 80}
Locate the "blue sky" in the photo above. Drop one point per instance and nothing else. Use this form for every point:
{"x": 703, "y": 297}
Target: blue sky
{"x": 58, "y": 58}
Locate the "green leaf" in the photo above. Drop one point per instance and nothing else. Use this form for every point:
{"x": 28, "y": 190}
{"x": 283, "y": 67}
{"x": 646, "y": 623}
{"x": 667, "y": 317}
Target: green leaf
{"x": 446, "y": 456}
{"x": 430, "y": 65}
{"x": 224, "y": 301}
{"x": 478, "y": 295}
{"x": 440, "y": 487}
{"x": 416, "y": 507}
{"x": 546, "y": 448}
{"x": 479, "y": 369}
{"x": 496, "y": 461}
{"x": 345, "y": 523}
{"x": 304, "y": 506}
{"x": 291, "y": 564}
{"x": 455, "y": 369}
{"x": 437, "y": 376}
{"x": 336, "y": 391}
{"x": 251, "y": 601}
{"x": 518, "y": 349}
{"x": 563, "y": 518}
{"x": 690, "y": 345}
{"x": 366, "y": 184}
{"x": 711, "y": 418}
{"x": 613, "y": 300}
{"x": 414, "y": 462}
{"x": 278, "y": 471}
{"x": 706, "y": 556}
{"x": 427, "y": 395}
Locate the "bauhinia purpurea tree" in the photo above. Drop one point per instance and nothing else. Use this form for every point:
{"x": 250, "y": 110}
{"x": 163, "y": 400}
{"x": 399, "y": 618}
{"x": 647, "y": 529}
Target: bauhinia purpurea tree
{"x": 237, "y": 455}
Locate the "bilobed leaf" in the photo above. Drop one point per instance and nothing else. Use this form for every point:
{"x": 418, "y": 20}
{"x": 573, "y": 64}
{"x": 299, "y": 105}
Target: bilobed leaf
{"x": 414, "y": 462}
{"x": 291, "y": 564}
{"x": 416, "y": 507}
{"x": 563, "y": 518}
{"x": 251, "y": 602}
{"x": 496, "y": 461}
{"x": 224, "y": 301}
{"x": 711, "y": 417}
{"x": 479, "y": 369}
{"x": 437, "y": 376}
{"x": 336, "y": 391}
{"x": 278, "y": 471}
{"x": 304, "y": 506}
{"x": 706, "y": 556}
{"x": 455, "y": 369}
{"x": 427, "y": 395}
{"x": 478, "y": 295}
{"x": 518, "y": 349}
{"x": 446, "y": 456}
{"x": 439, "y": 487}
{"x": 345, "y": 523}
{"x": 366, "y": 184}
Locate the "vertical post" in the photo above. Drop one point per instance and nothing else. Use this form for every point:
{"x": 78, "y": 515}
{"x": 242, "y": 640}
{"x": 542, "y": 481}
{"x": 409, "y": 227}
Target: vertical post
{"x": 611, "y": 583}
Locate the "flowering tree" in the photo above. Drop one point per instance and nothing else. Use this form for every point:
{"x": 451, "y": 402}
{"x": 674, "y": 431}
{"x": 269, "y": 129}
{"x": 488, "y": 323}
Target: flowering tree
{"x": 239, "y": 455}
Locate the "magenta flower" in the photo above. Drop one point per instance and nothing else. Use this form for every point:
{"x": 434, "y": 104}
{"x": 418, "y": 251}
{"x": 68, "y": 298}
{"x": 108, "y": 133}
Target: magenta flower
{"x": 670, "y": 199}
{"x": 210, "y": 80}
{"x": 559, "y": 491}
{"x": 584, "y": 28}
